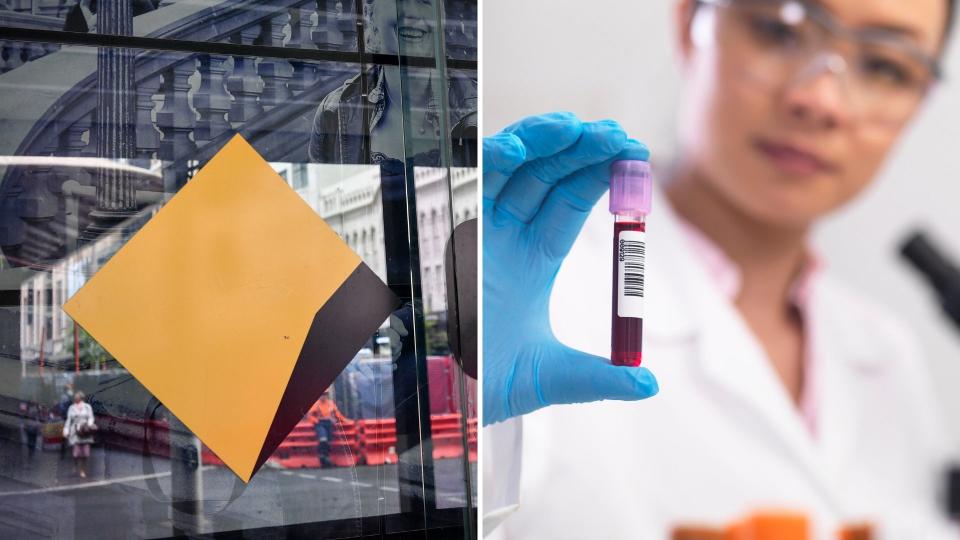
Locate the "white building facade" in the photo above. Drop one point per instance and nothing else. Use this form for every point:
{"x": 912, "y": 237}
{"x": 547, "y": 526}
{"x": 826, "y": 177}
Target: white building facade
{"x": 351, "y": 204}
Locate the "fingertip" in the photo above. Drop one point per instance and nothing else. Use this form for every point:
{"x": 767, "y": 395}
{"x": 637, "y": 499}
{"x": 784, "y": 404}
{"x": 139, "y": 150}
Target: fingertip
{"x": 634, "y": 149}
{"x": 614, "y": 136}
{"x": 566, "y": 126}
{"x": 563, "y": 116}
{"x": 547, "y": 134}
{"x": 646, "y": 383}
{"x": 612, "y": 126}
{"x": 505, "y": 151}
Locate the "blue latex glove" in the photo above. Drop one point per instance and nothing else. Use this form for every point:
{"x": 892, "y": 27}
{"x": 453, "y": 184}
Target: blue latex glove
{"x": 541, "y": 178}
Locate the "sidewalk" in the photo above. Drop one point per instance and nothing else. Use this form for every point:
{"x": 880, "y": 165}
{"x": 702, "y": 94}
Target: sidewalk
{"x": 20, "y": 471}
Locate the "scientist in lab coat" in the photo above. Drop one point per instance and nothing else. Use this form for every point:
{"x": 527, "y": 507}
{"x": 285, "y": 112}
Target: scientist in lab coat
{"x": 780, "y": 386}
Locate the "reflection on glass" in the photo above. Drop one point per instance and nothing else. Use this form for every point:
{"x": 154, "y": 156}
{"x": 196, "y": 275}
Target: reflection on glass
{"x": 348, "y": 197}
{"x": 380, "y": 174}
{"x": 349, "y": 129}
{"x": 326, "y": 24}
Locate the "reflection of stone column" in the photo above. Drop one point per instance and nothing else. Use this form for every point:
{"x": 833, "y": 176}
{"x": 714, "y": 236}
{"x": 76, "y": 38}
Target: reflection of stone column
{"x": 211, "y": 100}
{"x": 186, "y": 480}
{"x": 275, "y": 72}
{"x": 176, "y": 121}
{"x": 148, "y": 138}
{"x": 116, "y": 119}
{"x": 321, "y": 35}
{"x": 304, "y": 72}
{"x": 347, "y": 25}
{"x": 244, "y": 83}
{"x": 326, "y": 37}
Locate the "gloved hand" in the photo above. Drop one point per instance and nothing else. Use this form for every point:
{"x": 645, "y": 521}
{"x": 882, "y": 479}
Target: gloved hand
{"x": 541, "y": 178}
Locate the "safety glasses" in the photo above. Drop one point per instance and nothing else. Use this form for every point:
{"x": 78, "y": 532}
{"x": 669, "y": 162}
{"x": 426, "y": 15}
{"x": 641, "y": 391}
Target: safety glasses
{"x": 777, "y": 44}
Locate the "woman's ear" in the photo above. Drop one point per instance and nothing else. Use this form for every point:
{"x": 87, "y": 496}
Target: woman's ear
{"x": 683, "y": 19}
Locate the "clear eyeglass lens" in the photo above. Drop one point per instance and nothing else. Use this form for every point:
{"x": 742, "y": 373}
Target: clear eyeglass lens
{"x": 777, "y": 40}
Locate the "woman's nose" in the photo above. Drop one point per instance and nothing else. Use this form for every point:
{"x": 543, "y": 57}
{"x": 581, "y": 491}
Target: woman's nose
{"x": 818, "y": 96}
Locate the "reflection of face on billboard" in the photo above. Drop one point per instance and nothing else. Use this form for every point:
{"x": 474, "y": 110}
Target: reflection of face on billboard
{"x": 400, "y": 27}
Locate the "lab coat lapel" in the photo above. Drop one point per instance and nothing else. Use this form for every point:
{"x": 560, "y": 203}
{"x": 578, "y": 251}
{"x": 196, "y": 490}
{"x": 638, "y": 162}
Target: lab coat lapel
{"x": 732, "y": 359}
{"x": 729, "y": 356}
{"x": 844, "y": 358}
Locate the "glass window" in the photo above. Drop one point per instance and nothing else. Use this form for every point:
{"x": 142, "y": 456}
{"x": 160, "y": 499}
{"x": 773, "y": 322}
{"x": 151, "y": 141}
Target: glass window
{"x": 102, "y": 129}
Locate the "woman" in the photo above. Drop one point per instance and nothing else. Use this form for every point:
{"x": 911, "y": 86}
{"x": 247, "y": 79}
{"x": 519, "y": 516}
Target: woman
{"x": 348, "y": 130}
{"x": 78, "y": 429}
{"x": 396, "y": 128}
{"x": 781, "y": 386}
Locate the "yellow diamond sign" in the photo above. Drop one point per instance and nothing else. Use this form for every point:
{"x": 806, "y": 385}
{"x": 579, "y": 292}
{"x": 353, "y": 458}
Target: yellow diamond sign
{"x": 236, "y": 306}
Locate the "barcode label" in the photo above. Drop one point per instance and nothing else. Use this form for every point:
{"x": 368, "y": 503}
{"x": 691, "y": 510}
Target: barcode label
{"x": 631, "y": 248}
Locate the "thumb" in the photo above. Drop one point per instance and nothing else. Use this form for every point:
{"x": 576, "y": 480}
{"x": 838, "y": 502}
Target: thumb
{"x": 573, "y": 376}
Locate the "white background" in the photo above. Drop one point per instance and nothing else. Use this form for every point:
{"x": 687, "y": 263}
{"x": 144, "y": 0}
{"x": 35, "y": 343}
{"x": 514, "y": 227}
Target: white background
{"x": 609, "y": 59}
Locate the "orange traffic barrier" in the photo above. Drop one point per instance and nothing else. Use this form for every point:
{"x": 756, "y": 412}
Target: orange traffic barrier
{"x": 472, "y": 439}
{"x": 299, "y": 449}
{"x": 378, "y": 440}
{"x": 447, "y": 435}
{"x": 130, "y": 434}
{"x": 344, "y": 447}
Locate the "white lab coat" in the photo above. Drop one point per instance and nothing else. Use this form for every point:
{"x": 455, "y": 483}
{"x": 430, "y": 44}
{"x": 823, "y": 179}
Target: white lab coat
{"x": 722, "y": 439}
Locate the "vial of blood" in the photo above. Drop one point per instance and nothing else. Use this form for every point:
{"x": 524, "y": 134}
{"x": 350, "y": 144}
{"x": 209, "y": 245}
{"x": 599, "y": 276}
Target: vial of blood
{"x": 631, "y": 184}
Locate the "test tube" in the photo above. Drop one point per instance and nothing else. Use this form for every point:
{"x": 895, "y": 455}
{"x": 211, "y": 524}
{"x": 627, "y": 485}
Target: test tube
{"x": 631, "y": 183}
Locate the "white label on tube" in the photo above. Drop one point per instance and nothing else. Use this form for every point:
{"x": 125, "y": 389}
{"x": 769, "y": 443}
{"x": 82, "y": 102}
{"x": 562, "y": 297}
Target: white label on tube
{"x": 631, "y": 250}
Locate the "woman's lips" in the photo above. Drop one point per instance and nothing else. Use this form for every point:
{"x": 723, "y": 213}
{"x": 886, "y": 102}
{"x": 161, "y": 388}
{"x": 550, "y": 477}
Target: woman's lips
{"x": 792, "y": 159}
{"x": 411, "y": 33}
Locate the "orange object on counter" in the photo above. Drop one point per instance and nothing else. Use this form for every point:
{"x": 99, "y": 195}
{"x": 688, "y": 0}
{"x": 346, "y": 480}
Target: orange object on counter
{"x": 860, "y": 531}
{"x": 770, "y": 526}
{"x": 697, "y": 533}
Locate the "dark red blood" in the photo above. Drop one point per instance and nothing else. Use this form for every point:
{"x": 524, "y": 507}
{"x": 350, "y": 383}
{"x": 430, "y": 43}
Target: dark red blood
{"x": 627, "y": 332}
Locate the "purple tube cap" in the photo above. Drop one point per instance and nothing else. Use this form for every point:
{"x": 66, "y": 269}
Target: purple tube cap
{"x": 631, "y": 187}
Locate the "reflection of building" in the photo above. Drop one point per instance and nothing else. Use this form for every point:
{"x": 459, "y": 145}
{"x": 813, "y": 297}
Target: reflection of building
{"x": 46, "y": 332}
{"x": 187, "y": 105}
{"x": 434, "y": 195}
{"x": 354, "y": 209}
{"x": 347, "y": 197}
{"x": 352, "y": 206}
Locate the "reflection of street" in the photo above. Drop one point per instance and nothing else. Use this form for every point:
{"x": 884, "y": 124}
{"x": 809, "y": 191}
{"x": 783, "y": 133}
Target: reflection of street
{"x": 40, "y": 496}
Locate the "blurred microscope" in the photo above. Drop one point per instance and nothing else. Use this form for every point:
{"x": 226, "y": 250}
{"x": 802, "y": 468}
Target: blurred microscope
{"x": 943, "y": 277}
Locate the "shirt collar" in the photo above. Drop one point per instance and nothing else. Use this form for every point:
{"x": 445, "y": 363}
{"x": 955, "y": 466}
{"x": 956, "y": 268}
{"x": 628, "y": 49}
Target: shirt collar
{"x": 379, "y": 90}
{"x": 377, "y": 95}
{"x": 726, "y": 274}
